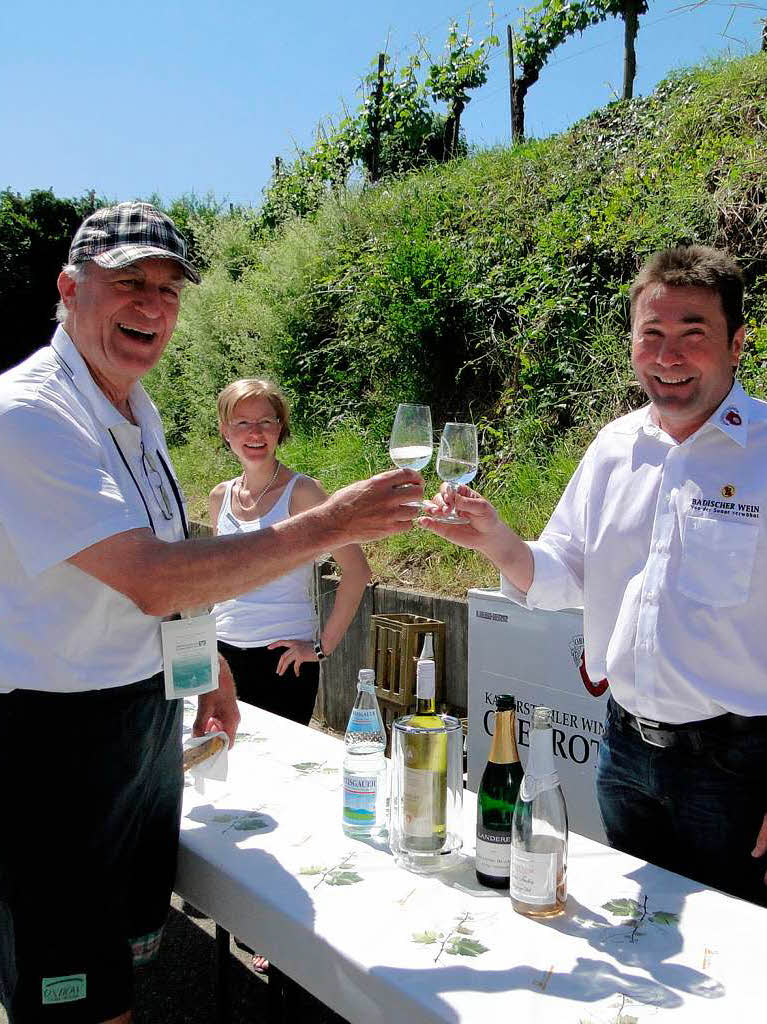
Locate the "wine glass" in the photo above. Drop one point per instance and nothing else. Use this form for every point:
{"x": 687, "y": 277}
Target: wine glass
{"x": 411, "y": 443}
{"x": 457, "y": 460}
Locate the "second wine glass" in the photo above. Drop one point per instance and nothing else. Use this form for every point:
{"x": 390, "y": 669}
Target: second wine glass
{"x": 457, "y": 460}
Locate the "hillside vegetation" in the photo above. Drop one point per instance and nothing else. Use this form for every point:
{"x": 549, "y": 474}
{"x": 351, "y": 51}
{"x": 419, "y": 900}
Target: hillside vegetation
{"x": 493, "y": 288}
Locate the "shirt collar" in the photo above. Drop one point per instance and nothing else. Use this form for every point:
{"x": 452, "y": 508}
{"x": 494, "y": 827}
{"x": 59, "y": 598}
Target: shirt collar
{"x": 77, "y": 370}
{"x": 731, "y": 417}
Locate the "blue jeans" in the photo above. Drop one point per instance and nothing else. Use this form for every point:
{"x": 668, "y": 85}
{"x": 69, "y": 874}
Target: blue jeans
{"x": 694, "y": 808}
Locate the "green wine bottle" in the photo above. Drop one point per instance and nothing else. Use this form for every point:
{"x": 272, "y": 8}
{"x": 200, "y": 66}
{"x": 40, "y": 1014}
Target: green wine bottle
{"x": 497, "y": 798}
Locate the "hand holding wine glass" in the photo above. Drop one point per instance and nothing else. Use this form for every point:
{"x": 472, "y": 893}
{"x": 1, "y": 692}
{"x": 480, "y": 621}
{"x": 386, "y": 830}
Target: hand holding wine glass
{"x": 457, "y": 460}
{"x": 411, "y": 443}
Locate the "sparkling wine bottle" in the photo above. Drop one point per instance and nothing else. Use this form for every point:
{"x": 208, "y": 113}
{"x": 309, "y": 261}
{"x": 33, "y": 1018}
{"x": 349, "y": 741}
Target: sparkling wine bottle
{"x": 538, "y": 885}
{"x": 425, "y": 769}
{"x": 497, "y": 798}
{"x": 364, "y": 763}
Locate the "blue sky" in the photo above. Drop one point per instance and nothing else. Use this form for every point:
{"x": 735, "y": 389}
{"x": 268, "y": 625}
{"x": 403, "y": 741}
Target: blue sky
{"x": 178, "y": 96}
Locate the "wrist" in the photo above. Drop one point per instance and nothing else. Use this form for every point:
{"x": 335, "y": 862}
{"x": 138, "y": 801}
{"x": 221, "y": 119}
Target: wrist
{"x": 319, "y": 650}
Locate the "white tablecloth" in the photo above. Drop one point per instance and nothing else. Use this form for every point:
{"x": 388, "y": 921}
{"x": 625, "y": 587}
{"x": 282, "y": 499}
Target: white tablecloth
{"x": 264, "y": 855}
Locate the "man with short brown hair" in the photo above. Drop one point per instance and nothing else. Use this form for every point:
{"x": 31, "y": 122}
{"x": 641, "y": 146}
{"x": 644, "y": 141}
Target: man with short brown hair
{"x": 660, "y": 538}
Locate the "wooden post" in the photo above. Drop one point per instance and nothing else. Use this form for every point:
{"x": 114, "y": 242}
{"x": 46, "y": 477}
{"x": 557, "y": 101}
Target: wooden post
{"x": 510, "y": 41}
{"x": 630, "y": 29}
{"x": 375, "y": 128}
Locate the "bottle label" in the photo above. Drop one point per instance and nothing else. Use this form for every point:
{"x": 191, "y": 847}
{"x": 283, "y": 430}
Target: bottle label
{"x": 493, "y": 856}
{"x": 534, "y": 876}
{"x": 424, "y": 810}
{"x": 363, "y": 720}
{"x": 360, "y": 792}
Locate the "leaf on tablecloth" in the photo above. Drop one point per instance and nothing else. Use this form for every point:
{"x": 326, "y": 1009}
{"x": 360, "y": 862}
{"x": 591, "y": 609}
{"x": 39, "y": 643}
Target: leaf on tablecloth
{"x": 223, "y": 817}
{"x": 313, "y": 869}
{"x": 427, "y": 938}
{"x": 465, "y": 947}
{"x": 343, "y": 878}
{"x": 463, "y": 930}
{"x": 664, "y": 917}
{"x": 622, "y": 908}
{"x": 307, "y": 767}
{"x": 250, "y": 824}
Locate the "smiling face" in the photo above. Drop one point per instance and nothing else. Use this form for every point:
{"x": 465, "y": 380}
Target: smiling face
{"x": 682, "y": 356}
{"x": 253, "y": 431}
{"x": 121, "y": 320}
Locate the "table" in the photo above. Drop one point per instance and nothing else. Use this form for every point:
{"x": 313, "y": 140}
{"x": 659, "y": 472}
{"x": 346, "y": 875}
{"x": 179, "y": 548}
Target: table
{"x": 264, "y": 855}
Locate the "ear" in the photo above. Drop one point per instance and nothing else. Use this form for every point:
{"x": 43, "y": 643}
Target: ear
{"x": 738, "y": 339}
{"x": 67, "y": 289}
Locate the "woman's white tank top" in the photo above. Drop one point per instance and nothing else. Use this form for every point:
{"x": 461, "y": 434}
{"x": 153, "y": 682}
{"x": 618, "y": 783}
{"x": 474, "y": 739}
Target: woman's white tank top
{"x": 280, "y": 610}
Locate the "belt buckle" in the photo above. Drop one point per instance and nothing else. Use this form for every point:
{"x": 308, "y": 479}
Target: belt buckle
{"x": 649, "y": 724}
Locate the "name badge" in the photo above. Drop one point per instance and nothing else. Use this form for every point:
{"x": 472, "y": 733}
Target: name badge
{"x": 190, "y": 656}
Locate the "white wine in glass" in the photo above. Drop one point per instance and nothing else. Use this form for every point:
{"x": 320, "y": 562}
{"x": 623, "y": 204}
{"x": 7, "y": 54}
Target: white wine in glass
{"x": 411, "y": 443}
{"x": 457, "y": 460}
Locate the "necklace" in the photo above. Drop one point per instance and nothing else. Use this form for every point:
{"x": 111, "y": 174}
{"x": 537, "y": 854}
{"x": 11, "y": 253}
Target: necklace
{"x": 249, "y": 508}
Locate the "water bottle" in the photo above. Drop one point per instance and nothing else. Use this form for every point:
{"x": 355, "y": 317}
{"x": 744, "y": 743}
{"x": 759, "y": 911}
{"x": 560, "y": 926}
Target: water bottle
{"x": 364, "y": 802}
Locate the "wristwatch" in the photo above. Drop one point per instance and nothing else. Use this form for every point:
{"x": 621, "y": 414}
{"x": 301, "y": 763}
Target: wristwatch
{"x": 319, "y": 651}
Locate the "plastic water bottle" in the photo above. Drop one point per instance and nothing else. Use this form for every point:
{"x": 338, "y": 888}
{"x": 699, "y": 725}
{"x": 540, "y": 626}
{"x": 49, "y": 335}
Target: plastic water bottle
{"x": 364, "y": 804}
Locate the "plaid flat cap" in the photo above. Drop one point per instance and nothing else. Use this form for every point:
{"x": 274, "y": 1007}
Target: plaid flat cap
{"x": 116, "y": 236}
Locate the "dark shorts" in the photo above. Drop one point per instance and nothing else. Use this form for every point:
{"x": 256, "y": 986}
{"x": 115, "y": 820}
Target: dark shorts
{"x": 93, "y": 785}
{"x": 255, "y": 677}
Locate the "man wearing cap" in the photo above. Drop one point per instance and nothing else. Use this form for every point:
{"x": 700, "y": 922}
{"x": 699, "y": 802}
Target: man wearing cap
{"x": 93, "y": 557}
{"x": 660, "y": 538}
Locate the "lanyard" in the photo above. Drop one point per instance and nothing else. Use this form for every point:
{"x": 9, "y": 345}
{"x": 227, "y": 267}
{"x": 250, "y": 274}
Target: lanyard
{"x": 171, "y": 481}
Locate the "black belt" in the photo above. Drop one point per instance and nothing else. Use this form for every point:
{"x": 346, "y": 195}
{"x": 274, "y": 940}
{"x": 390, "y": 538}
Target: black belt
{"x": 694, "y": 734}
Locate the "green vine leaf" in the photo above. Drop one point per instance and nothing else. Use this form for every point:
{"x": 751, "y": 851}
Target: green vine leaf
{"x": 343, "y": 878}
{"x": 307, "y": 767}
{"x": 463, "y": 930}
{"x": 427, "y": 938}
{"x": 313, "y": 869}
{"x": 622, "y": 908}
{"x": 664, "y": 917}
{"x": 465, "y": 947}
{"x": 250, "y": 824}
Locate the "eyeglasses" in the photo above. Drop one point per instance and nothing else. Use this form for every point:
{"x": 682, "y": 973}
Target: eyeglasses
{"x": 156, "y": 483}
{"x": 243, "y": 426}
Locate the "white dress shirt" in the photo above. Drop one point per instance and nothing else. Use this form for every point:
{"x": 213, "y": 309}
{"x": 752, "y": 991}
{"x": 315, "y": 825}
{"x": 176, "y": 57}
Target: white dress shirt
{"x": 663, "y": 545}
{"x": 73, "y": 474}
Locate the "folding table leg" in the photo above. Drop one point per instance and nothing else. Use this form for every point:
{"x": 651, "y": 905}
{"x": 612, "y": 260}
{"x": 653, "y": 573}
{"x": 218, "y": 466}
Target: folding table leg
{"x": 223, "y": 958}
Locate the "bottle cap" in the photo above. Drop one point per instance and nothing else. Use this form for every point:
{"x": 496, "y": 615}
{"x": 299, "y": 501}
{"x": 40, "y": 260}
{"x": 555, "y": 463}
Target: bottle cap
{"x": 542, "y": 718}
{"x": 505, "y": 702}
{"x": 425, "y": 676}
{"x": 366, "y": 677}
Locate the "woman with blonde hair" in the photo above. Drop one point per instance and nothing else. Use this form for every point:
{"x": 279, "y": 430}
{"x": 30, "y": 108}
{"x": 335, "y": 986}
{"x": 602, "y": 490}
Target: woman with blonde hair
{"x": 270, "y": 636}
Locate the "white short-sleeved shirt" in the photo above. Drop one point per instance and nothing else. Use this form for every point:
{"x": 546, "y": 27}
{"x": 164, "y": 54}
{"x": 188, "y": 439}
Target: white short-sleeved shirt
{"x": 73, "y": 474}
{"x": 664, "y": 547}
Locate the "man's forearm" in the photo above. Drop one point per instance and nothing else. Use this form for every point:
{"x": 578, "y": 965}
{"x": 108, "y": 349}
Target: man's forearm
{"x": 510, "y": 555}
{"x": 162, "y": 578}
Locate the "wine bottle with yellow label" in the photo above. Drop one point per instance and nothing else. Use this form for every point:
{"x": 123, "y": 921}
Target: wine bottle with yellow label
{"x": 497, "y": 798}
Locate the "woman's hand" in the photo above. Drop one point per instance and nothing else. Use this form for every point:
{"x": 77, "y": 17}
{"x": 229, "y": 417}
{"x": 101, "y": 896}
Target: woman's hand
{"x": 296, "y": 653}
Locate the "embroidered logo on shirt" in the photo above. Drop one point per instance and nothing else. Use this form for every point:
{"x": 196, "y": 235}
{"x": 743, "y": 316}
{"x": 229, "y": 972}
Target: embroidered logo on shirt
{"x": 732, "y": 509}
{"x": 732, "y": 416}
